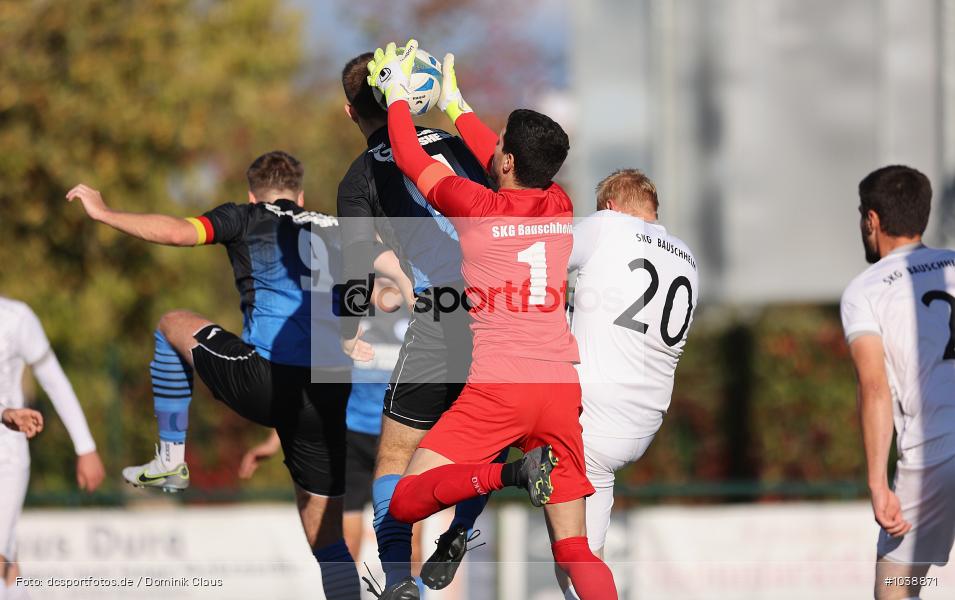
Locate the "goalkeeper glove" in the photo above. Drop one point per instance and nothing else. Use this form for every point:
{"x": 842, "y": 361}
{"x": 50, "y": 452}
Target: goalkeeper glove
{"x": 450, "y": 101}
{"x": 390, "y": 71}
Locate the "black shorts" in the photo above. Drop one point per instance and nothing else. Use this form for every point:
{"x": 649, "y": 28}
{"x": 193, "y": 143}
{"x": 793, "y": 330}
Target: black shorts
{"x": 434, "y": 360}
{"x": 360, "y": 469}
{"x": 309, "y": 417}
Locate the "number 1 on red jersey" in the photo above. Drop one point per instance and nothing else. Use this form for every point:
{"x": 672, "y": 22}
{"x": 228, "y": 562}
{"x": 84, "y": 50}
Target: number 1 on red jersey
{"x": 536, "y": 258}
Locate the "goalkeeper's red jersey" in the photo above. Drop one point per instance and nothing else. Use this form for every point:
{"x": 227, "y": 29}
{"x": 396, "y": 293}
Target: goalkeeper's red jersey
{"x": 515, "y": 245}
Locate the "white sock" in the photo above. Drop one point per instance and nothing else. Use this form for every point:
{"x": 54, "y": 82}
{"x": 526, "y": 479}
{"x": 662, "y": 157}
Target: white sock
{"x": 172, "y": 454}
{"x": 3, "y": 590}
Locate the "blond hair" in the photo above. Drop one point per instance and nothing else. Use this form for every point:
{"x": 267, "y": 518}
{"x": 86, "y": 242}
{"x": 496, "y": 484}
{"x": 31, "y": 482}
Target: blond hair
{"x": 629, "y": 189}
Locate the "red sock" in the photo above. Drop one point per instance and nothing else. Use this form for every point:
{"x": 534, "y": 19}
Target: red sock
{"x": 419, "y": 496}
{"x": 591, "y": 576}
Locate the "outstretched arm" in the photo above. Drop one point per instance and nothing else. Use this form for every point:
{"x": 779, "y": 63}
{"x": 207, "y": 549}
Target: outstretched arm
{"x": 54, "y": 382}
{"x": 457, "y": 196}
{"x": 410, "y": 157}
{"x": 390, "y": 72}
{"x": 35, "y": 351}
{"x": 89, "y": 467}
{"x": 159, "y": 229}
{"x": 479, "y": 138}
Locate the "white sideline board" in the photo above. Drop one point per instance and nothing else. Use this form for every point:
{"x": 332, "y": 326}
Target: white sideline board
{"x": 740, "y": 552}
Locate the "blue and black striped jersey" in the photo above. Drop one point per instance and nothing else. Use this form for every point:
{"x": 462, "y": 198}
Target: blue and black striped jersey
{"x": 286, "y": 261}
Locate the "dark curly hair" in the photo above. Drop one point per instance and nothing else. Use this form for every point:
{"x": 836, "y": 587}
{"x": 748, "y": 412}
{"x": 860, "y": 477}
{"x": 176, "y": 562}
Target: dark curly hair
{"x": 539, "y": 146}
{"x": 901, "y": 196}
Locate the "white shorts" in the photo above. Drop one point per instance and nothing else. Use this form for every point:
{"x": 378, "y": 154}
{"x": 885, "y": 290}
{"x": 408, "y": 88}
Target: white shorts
{"x": 604, "y": 456}
{"x": 927, "y": 496}
{"x": 14, "y": 478}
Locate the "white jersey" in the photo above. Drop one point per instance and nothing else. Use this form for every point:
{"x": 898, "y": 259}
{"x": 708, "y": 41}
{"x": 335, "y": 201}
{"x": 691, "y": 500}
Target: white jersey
{"x": 636, "y": 290}
{"x": 908, "y": 298}
{"x": 22, "y": 342}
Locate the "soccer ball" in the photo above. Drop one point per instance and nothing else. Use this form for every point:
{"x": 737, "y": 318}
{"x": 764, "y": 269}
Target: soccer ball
{"x": 425, "y": 84}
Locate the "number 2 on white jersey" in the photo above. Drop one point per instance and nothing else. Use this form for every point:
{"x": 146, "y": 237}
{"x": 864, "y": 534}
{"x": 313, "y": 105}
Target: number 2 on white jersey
{"x": 627, "y": 318}
{"x": 535, "y": 257}
{"x": 927, "y": 299}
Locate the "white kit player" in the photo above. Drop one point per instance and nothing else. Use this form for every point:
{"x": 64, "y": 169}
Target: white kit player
{"x": 23, "y": 342}
{"x": 636, "y": 289}
{"x": 899, "y": 320}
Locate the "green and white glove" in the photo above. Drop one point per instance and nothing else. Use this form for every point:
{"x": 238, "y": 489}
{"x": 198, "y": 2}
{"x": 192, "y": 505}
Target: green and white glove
{"x": 390, "y": 70}
{"x": 450, "y": 101}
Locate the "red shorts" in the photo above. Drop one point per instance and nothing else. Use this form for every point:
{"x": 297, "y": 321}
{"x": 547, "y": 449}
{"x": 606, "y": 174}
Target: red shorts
{"x": 488, "y": 417}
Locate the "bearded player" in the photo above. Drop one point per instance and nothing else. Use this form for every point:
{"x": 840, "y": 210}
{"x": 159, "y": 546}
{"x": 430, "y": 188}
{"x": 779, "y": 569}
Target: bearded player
{"x": 899, "y": 320}
{"x": 287, "y": 371}
{"x": 522, "y": 389}
{"x": 637, "y": 286}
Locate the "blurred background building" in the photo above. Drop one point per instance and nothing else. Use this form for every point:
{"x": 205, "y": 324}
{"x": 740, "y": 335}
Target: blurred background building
{"x": 758, "y": 119}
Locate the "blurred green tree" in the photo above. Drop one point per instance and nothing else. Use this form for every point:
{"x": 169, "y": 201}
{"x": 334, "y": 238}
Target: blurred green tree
{"x": 161, "y": 105}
